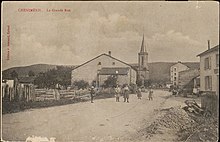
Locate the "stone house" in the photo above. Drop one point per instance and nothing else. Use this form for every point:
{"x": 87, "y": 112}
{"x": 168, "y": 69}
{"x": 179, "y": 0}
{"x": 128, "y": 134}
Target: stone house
{"x": 189, "y": 78}
{"x": 99, "y": 68}
{"x": 209, "y": 79}
{"x": 174, "y": 72}
{"x": 209, "y": 70}
{"x": 102, "y": 66}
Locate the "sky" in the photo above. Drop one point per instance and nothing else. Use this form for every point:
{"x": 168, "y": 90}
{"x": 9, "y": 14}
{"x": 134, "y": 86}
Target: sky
{"x": 174, "y": 31}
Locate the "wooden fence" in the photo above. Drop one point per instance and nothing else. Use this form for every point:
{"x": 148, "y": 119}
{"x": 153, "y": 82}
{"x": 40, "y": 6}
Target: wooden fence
{"x": 21, "y": 92}
{"x": 54, "y": 94}
{"x": 27, "y": 92}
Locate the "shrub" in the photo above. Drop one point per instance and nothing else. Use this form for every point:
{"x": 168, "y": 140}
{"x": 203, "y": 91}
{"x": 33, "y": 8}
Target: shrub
{"x": 81, "y": 84}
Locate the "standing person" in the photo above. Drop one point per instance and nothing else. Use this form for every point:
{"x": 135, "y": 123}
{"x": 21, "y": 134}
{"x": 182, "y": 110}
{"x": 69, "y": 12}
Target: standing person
{"x": 139, "y": 95}
{"x": 92, "y": 93}
{"x": 150, "y": 94}
{"x": 117, "y": 93}
{"x": 126, "y": 94}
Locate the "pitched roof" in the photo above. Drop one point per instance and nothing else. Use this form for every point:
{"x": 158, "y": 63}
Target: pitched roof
{"x": 142, "y": 45}
{"x": 105, "y": 55}
{"x": 114, "y": 71}
{"x": 189, "y": 70}
{"x": 192, "y": 65}
{"x": 215, "y": 48}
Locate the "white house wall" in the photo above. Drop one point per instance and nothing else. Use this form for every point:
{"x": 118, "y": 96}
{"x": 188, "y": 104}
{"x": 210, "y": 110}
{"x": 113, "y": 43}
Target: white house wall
{"x": 208, "y": 72}
{"x": 179, "y": 67}
{"x": 88, "y": 72}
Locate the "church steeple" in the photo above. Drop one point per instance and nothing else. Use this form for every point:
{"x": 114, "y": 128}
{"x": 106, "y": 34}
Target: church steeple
{"x": 142, "y": 45}
{"x": 143, "y": 61}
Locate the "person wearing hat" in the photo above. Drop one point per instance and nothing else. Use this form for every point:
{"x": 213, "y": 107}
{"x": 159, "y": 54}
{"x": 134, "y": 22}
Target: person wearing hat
{"x": 92, "y": 93}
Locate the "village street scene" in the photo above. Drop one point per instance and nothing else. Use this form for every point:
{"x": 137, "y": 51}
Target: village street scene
{"x": 110, "y": 72}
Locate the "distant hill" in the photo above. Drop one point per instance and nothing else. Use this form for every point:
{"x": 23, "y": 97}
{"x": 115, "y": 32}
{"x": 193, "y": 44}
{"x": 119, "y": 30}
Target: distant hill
{"x": 159, "y": 71}
{"x": 23, "y": 71}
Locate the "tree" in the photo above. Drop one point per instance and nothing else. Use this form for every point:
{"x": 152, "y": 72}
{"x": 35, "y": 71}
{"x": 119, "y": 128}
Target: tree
{"x": 139, "y": 82}
{"x": 81, "y": 84}
{"x": 111, "y": 81}
{"x": 14, "y": 74}
{"x": 31, "y": 73}
{"x": 61, "y": 75}
{"x": 147, "y": 82}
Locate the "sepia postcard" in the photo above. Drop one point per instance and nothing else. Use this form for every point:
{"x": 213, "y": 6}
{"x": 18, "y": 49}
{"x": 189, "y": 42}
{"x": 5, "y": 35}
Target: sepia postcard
{"x": 109, "y": 71}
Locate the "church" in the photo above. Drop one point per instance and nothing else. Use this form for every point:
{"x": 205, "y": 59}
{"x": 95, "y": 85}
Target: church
{"x": 101, "y": 67}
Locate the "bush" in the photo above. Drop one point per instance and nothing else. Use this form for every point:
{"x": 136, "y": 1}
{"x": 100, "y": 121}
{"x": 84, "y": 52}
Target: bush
{"x": 133, "y": 88}
{"x": 111, "y": 81}
{"x": 81, "y": 84}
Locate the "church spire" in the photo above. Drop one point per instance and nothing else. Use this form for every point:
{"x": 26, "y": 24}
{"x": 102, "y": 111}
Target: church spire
{"x": 143, "y": 47}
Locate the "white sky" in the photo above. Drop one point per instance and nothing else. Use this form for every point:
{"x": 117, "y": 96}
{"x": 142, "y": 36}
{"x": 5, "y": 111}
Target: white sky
{"x": 174, "y": 31}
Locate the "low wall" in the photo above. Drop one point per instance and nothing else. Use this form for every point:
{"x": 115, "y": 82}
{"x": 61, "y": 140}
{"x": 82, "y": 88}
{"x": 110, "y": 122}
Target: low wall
{"x": 210, "y": 102}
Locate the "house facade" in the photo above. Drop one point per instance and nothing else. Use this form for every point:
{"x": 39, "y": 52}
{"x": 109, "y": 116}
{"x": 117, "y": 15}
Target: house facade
{"x": 99, "y": 68}
{"x": 189, "y": 78}
{"x": 174, "y": 72}
{"x": 209, "y": 70}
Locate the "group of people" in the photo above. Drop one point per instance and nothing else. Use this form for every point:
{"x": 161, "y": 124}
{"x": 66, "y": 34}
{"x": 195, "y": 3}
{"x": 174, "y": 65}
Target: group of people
{"x": 118, "y": 91}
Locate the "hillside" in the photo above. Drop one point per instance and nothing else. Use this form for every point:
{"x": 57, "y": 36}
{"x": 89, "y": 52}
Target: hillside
{"x": 159, "y": 71}
{"x": 23, "y": 71}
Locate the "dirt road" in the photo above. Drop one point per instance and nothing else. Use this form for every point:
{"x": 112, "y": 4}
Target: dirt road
{"x": 103, "y": 120}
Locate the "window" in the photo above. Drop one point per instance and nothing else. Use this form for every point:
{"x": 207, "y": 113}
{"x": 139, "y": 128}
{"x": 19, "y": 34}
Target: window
{"x": 99, "y": 63}
{"x": 113, "y": 63}
{"x": 174, "y": 78}
{"x": 142, "y": 60}
{"x": 208, "y": 83}
{"x": 175, "y": 69}
{"x": 174, "y": 73}
{"x": 217, "y": 60}
{"x": 207, "y": 63}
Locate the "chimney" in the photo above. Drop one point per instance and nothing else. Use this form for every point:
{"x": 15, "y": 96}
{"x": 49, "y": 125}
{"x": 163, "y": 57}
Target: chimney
{"x": 109, "y": 53}
{"x": 208, "y": 44}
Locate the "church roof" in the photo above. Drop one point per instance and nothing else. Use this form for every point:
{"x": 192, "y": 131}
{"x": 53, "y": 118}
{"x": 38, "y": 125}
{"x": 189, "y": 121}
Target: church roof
{"x": 114, "y": 71}
{"x": 143, "y": 46}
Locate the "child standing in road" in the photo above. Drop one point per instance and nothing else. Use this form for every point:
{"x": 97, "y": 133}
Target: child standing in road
{"x": 150, "y": 94}
{"x": 117, "y": 93}
{"x": 139, "y": 95}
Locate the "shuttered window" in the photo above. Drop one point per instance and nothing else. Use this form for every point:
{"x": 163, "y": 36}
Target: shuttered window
{"x": 208, "y": 83}
{"x": 207, "y": 63}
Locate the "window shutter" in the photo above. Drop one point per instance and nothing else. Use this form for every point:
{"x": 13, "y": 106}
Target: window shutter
{"x": 210, "y": 62}
{"x": 210, "y": 82}
{"x": 206, "y": 82}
